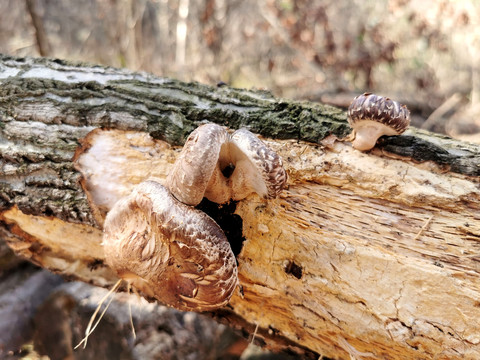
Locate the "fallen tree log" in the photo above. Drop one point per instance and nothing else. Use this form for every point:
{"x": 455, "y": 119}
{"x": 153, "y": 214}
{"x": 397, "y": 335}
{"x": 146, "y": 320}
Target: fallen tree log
{"x": 370, "y": 255}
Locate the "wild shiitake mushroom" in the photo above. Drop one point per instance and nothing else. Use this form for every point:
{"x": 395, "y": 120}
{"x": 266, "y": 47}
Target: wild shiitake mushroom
{"x": 156, "y": 241}
{"x": 169, "y": 250}
{"x": 372, "y": 116}
{"x": 222, "y": 167}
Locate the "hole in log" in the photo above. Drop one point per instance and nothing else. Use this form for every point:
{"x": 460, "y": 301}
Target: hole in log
{"x": 231, "y": 224}
{"x": 293, "y": 269}
{"x": 48, "y": 212}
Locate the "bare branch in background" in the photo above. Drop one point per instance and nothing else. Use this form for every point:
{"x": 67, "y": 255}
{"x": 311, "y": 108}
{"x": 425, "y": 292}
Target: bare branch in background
{"x": 40, "y": 35}
{"x": 439, "y": 115}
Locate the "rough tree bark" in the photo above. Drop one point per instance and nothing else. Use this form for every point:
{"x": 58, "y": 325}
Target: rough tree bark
{"x": 369, "y": 255}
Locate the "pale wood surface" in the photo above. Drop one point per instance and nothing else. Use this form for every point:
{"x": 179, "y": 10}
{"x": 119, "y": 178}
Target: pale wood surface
{"x": 366, "y": 255}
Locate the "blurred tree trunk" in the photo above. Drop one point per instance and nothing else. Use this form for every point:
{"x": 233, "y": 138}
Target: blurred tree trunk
{"x": 371, "y": 255}
{"x": 43, "y": 46}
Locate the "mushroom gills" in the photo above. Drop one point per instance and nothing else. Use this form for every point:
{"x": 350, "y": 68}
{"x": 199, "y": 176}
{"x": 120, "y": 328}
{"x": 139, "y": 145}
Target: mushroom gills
{"x": 367, "y": 133}
{"x": 235, "y": 176}
{"x": 246, "y": 178}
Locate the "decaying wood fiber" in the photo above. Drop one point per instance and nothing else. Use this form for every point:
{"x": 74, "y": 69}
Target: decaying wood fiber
{"x": 370, "y": 255}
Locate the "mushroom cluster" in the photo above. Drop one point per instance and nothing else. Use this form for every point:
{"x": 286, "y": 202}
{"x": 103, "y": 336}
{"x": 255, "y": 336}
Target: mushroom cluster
{"x": 223, "y": 167}
{"x": 161, "y": 245}
{"x": 372, "y": 116}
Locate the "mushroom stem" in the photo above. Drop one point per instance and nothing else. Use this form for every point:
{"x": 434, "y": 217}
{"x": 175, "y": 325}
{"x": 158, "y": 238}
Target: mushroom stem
{"x": 366, "y": 137}
{"x": 218, "y": 189}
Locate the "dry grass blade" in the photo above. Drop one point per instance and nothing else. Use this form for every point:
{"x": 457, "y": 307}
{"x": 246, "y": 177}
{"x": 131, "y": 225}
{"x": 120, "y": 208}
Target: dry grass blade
{"x": 89, "y": 330}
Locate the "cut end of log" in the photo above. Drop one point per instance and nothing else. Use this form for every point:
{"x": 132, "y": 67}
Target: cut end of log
{"x": 112, "y": 162}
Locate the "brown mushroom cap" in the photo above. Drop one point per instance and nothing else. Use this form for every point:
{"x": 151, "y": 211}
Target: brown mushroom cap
{"x": 258, "y": 168}
{"x": 198, "y": 160}
{"x": 169, "y": 250}
{"x": 372, "y": 116}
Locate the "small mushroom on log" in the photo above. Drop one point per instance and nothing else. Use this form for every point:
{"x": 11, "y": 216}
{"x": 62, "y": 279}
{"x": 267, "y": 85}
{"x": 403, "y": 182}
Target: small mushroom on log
{"x": 372, "y": 116}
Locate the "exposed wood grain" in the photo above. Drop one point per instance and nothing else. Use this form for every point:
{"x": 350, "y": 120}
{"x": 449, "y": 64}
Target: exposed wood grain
{"x": 379, "y": 246}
